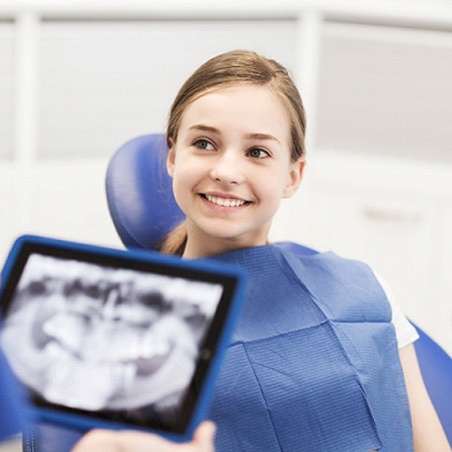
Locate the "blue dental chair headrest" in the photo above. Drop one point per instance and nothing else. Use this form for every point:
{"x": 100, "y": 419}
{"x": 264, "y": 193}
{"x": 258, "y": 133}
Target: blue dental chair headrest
{"x": 139, "y": 193}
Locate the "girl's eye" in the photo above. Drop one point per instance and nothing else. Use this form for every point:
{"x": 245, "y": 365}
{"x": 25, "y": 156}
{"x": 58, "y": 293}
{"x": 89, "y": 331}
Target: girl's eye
{"x": 203, "y": 145}
{"x": 258, "y": 153}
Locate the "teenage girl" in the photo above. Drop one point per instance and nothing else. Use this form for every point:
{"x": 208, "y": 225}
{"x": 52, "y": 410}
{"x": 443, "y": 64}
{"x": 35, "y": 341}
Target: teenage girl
{"x": 322, "y": 359}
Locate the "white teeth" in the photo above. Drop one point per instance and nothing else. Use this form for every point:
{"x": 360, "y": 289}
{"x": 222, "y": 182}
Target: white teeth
{"x": 225, "y": 202}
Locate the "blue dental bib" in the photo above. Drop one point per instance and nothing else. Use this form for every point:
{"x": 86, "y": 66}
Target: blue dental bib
{"x": 313, "y": 364}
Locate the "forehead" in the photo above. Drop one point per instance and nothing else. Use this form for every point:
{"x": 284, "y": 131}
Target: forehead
{"x": 247, "y": 108}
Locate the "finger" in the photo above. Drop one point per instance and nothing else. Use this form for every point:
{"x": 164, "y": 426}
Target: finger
{"x": 204, "y": 436}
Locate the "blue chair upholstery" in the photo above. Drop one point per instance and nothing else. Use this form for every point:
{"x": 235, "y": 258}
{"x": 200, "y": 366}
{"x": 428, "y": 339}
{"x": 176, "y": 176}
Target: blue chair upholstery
{"x": 143, "y": 210}
{"x": 136, "y": 182}
{"x": 12, "y": 404}
{"x": 436, "y": 368}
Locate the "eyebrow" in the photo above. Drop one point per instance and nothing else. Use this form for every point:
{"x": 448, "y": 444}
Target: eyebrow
{"x": 263, "y": 136}
{"x": 205, "y": 128}
{"x": 256, "y": 136}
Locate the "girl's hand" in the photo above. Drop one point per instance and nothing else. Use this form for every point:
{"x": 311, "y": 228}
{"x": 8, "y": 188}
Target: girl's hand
{"x": 131, "y": 441}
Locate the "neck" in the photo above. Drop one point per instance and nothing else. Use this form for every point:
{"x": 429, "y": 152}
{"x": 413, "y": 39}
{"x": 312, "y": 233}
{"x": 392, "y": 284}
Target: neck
{"x": 205, "y": 246}
{"x": 194, "y": 251}
{"x": 201, "y": 243}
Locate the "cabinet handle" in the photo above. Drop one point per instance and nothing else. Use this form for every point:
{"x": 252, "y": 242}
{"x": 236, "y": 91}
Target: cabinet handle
{"x": 393, "y": 216}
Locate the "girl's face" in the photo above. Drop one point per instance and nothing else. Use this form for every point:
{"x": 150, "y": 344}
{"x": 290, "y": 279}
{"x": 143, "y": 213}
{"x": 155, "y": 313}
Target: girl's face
{"x": 231, "y": 167}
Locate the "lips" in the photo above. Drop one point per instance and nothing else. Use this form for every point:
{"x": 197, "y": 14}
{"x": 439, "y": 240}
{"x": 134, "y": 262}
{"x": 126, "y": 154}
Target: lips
{"x": 225, "y": 202}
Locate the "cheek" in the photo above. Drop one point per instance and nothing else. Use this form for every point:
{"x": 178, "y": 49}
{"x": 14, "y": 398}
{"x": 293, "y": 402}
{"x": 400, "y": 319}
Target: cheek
{"x": 183, "y": 174}
{"x": 189, "y": 170}
{"x": 178, "y": 183}
{"x": 184, "y": 181}
{"x": 279, "y": 181}
{"x": 270, "y": 193}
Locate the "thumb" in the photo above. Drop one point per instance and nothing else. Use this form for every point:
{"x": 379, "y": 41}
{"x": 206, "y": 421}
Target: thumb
{"x": 204, "y": 436}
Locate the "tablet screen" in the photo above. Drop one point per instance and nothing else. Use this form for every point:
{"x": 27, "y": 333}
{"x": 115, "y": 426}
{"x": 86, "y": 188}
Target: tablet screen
{"x": 112, "y": 337}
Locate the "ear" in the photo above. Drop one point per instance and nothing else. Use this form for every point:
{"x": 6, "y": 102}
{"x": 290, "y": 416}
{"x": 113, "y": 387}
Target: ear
{"x": 296, "y": 170}
{"x": 170, "y": 160}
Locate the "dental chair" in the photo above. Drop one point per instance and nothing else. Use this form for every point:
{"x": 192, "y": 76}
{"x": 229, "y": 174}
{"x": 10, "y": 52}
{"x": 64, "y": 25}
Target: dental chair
{"x": 12, "y": 408}
{"x": 144, "y": 211}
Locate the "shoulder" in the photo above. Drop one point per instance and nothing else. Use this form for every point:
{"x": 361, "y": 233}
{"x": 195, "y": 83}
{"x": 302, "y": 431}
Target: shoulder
{"x": 405, "y": 331}
{"x": 359, "y": 278}
{"x": 347, "y": 289}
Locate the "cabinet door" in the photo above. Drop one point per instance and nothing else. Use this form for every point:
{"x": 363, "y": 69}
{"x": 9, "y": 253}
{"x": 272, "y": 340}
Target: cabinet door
{"x": 385, "y": 91}
{"x": 73, "y": 206}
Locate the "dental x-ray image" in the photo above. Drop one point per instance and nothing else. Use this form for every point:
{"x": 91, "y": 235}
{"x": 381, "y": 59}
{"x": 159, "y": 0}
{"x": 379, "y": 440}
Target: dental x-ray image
{"x": 107, "y": 339}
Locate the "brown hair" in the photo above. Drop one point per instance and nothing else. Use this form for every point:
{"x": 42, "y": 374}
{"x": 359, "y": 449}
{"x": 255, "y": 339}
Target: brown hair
{"x": 231, "y": 69}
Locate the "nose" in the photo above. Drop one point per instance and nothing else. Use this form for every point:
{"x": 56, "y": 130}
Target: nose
{"x": 228, "y": 168}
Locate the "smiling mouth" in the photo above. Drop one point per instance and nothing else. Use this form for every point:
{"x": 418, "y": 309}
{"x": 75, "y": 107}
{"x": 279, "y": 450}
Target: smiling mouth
{"x": 225, "y": 202}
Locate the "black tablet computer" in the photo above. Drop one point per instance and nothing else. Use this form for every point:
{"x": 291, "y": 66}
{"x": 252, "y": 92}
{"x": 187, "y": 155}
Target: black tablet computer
{"x": 110, "y": 338}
